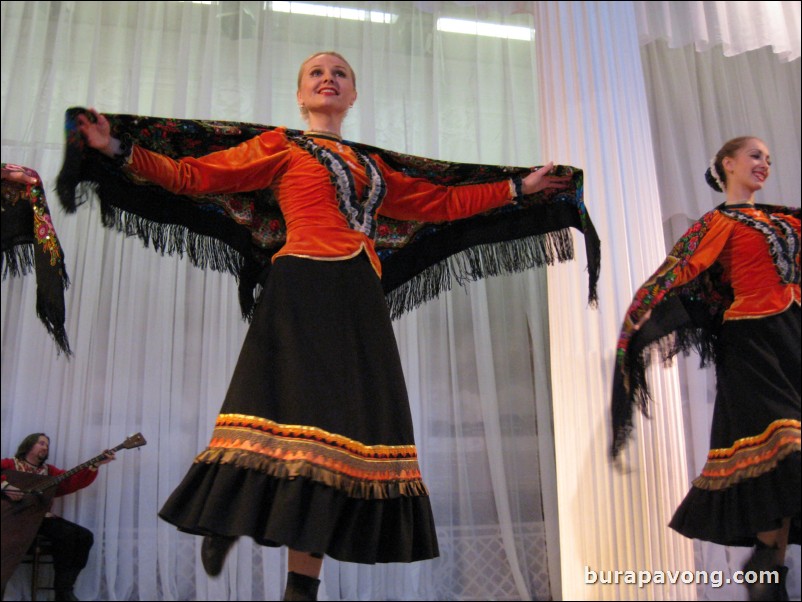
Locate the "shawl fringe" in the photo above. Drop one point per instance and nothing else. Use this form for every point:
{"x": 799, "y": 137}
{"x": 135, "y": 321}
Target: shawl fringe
{"x": 171, "y": 239}
{"x": 17, "y": 260}
{"x": 477, "y": 263}
{"x": 54, "y": 323}
{"x": 283, "y": 469}
{"x": 682, "y": 340}
{"x": 203, "y": 251}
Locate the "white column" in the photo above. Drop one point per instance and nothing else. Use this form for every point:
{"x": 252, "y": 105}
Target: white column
{"x": 595, "y": 116}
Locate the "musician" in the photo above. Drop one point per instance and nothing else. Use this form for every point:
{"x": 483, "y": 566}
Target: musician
{"x": 71, "y": 542}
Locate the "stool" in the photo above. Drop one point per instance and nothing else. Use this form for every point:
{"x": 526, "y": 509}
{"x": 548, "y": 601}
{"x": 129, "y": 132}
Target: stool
{"x": 40, "y": 553}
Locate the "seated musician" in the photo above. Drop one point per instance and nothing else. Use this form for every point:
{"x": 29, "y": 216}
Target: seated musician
{"x": 71, "y": 542}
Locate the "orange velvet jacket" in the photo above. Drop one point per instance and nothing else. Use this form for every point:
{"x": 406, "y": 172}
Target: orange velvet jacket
{"x": 316, "y": 225}
{"x": 744, "y": 254}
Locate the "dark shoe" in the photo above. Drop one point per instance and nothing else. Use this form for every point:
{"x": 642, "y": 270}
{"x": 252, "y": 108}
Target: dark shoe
{"x": 301, "y": 587}
{"x": 214, "y": 551}
{"x": 764, "y": 559}
{"x": 64, "y": 594}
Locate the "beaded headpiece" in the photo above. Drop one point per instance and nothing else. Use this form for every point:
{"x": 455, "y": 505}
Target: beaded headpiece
{"x": 714, "y": 174}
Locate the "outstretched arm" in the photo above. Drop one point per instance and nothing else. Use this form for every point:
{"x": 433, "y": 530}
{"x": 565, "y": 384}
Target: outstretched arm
{"x": 251, "y": 165}
{"x": 417, "y": 198}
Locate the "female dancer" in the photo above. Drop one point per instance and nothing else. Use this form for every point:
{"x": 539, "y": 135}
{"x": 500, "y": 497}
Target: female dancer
{"x": 730, "y": 287}
{"x": 313, "y": 447}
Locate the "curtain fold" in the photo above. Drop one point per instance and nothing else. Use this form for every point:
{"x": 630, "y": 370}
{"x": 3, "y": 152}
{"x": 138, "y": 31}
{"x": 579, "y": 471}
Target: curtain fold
{"x": 155, "y": 340}
{"x": 597, "y": 115}
{"x": 737, "y": 26}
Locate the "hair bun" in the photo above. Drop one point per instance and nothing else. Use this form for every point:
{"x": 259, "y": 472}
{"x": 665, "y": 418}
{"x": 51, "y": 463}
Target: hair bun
{"x": 712, "y": 181}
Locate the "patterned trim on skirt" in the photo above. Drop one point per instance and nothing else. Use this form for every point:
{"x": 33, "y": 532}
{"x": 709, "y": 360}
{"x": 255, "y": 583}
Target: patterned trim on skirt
{"x": 751, "y": 479}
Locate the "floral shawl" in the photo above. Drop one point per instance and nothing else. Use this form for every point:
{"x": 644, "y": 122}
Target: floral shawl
{"x": 29, "y": 242}
{"x": 419, "y": 259}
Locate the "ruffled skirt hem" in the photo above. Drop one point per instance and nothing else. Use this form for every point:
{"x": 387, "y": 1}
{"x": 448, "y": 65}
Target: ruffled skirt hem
{"x": 303, "y": 514}
{"x": 733, "y": 516}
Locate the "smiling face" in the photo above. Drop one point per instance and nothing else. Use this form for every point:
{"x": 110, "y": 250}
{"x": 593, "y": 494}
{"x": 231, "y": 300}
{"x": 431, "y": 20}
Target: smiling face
{"x": 748, "y": 167}
{"x": 326, "y": 84}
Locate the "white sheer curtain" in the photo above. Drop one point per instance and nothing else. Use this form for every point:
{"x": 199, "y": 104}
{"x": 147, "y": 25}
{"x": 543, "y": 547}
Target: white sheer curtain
{"x": 698, "y": 100}
{"x": 735, "y": 26}
{"x": 155, "y": 340}
{"x": 596, "y": 114}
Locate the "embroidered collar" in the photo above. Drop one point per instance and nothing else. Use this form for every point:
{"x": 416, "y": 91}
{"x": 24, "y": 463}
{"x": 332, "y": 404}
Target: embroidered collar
{"x": 359, "y": 212}
{"x": 25, "y": 466}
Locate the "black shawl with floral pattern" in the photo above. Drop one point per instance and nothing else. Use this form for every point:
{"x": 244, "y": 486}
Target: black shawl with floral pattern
{"x": 29, "y": 242}
{"x": 419, "y": 260}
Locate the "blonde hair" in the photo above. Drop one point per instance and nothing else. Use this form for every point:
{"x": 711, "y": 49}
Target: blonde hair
{"x": 304, "y": 110}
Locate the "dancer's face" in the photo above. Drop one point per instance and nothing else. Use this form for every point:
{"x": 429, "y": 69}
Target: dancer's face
{"x": 326, "y": 85}
{"x": 749, "y": 167}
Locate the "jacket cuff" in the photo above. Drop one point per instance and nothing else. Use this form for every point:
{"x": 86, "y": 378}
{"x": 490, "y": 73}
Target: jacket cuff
{"x": 516, "y": 187}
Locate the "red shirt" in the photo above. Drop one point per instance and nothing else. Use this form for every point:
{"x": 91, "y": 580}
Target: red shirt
{"x": 71, "y": 484}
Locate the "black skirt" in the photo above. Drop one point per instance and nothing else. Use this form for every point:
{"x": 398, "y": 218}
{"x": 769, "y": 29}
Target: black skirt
{"x": 314, "y": 446}
{"x": 751, "y": 479}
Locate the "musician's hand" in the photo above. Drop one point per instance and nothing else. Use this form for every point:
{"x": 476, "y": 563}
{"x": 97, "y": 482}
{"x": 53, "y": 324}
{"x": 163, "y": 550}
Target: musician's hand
{"x": 13, "y": 493}
{"x": 109, "y": 457}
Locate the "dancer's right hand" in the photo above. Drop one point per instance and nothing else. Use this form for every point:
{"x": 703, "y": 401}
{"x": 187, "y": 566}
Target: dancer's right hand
{"x": 96, "y": 130}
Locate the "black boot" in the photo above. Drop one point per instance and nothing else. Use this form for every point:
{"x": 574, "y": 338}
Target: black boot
{"x": 63, "y": 582}
{"x": 214, "y": 550}
{"x": 764, "y": 558}
{"x": 301, "y": 587}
